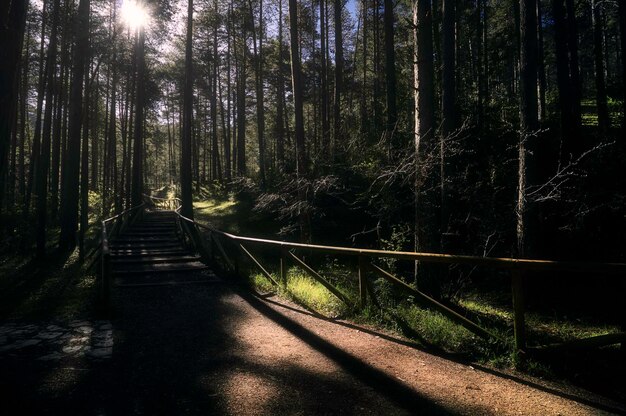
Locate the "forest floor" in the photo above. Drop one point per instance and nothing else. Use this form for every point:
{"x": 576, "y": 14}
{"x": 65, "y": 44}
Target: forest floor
{"x": 217, "y": 348}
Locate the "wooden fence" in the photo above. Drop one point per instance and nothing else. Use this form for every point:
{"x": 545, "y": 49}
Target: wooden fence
{"x": 218, "y": 246}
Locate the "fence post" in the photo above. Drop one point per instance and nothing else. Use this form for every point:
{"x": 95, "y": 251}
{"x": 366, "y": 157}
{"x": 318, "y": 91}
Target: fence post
{"x": 362, "y": 283}
{"x": 283, "y": 266}
{"x": 519, "y": 326}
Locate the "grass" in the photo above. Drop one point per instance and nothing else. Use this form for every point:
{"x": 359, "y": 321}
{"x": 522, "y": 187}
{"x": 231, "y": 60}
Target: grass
{"x": 429, "y": 328}
{"x": 303, "y": 290}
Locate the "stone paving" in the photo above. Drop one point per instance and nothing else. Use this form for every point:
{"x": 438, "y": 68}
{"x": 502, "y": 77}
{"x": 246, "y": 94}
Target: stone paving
{"x": 55, "y": 341}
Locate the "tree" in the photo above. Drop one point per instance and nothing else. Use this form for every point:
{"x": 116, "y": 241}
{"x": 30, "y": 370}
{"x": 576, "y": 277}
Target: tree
{"x": 529, "y": 125}
{"x": 390, "y": 69}
{"x": 448, "y": 82}
{"x": 296, "y": 79}
{"x": 11, "y": 36}
{"x": 138, "y": 140}
{"x": 427, "y": 221}
{"x": 70, "y": 185}
{"x": 600, "y": 81}
{"x": 338, "y": 72}
{"x": 562, "y": 71}
{"x": 44, "y": 166}
{"x": 572, "y": 43}
{"x": 622, "y": 28}
{"x": 185, "y": 144}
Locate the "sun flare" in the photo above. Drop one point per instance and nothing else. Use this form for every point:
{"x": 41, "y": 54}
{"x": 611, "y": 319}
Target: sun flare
{"x": 135, "y": 14}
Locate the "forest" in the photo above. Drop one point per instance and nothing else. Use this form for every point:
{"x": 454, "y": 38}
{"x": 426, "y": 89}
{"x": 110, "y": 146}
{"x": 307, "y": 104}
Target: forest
{"x": 491, "y": 128}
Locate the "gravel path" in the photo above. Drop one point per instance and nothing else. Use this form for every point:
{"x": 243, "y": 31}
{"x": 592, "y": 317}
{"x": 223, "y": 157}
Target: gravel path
{"x": 217, "y": 349}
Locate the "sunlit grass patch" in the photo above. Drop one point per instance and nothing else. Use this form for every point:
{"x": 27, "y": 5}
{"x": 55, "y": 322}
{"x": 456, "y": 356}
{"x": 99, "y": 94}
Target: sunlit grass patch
{"x": 436, "y": 329}
{"x": 215, "y": 206}
{"x": 482, "y": 308}
{"x": 303, "y": 290}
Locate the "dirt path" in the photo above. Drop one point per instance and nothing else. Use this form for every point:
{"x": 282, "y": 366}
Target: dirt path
{"x": 216, "y": 349}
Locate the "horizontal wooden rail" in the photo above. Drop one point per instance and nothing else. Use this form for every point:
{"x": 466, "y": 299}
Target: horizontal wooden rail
{"x": 516, "y": 265}
{"x": 497, "y": 262}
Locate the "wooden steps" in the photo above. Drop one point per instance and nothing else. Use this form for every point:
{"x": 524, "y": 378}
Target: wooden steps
{"x": 151, "y": 253}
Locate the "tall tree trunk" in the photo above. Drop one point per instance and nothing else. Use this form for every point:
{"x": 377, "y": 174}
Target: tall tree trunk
{"x": 228, "y": 134}
{"x": 529, "y": 125}
{"x": 296, "y": 79}
{"x": 390, "y": 73}
{"x": 61, "y": 94}
{"x": 36, "y": 147}
{"x": 622, "y": 28}
{"x": 448, "y": 101}
{"x": 541, "y": 68}
{"x": 563, "y": 76}
{"x": 572, "y": 43}
{"x": 427, "y": 221}
{"x": 138, "y": 147}
{"x": 324, "y": 107}
{"x": 483, "y": 72}
{"x": 69, "y": 190}
{"x": 84, "y": 167}
{"x": 338, "y": 73}
{"x": 260, "y": 110}
{"x": 215, "y": 158}
{"x": 111, "y": 141}
{"x": 280, "y": 95}
{"x": 604, "y": 121}
{"x": 44, "y": 158}
{"x": 241, "y": 107}
{"x": 21, "y": 173}
{"x": 185, "y": 146}
{"x": 11, "y": 40}
{"x": 364, "y": 31}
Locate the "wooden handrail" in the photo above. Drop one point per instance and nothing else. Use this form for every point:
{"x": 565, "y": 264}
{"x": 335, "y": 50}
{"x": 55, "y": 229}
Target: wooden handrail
{"x": 123, "y": 212}
{"x": 105, "y": 259}
{"x": 499, "y": 262}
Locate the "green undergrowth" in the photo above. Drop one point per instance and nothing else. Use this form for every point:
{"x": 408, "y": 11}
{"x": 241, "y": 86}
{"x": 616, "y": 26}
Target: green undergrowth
{"x": 305, "y": 291}
{"x": 58, "y": 287}
{"x": 402, "y": 315}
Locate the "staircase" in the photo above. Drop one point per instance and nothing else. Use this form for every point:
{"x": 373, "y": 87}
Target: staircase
{"x": 150, "y": 252}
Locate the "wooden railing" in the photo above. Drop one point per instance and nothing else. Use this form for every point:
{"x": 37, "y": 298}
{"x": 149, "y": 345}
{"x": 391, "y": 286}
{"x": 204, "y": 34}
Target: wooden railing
{"x": 117, "y": 223}
{"x": 215, "y": 245}
{"x": 170, "y": 204}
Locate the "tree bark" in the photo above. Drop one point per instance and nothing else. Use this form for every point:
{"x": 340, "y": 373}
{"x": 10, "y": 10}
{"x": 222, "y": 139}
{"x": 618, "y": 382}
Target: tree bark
{"x": 427, "y": 221}
{"x": 390, "y": 73}
{"x": 185, "y": 146}
{"x": 572, "y": 43}
{"x": 44, "y": 158}
{"x": 36, "y": 147}
{"x": 138, "y": 142}
{"x": 562, "y": 74}
{"x": 296, "y": 79}
{"x": 541, "y": 68}
{"x": 622, "y": 28}
{"x": 324, "y": 101}
{"x": 11, "y": 39}
{"x": 70, "y": 186}
{"x": 529, "y": 125}
{"x": 338, "y": 73}
{"x": 604, "y": 122}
